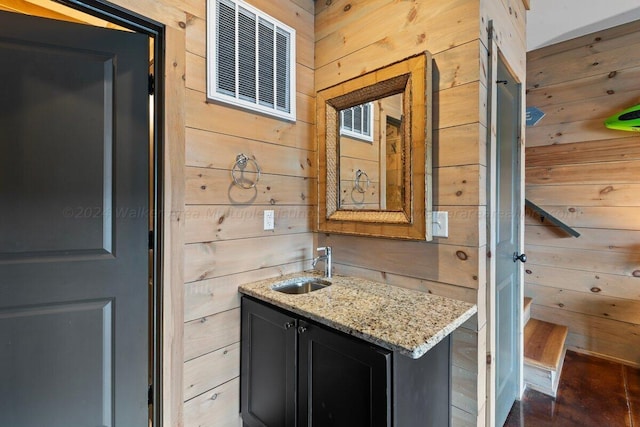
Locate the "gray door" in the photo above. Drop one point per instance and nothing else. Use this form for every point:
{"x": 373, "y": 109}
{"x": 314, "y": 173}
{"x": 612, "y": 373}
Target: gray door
{"x": 74, "y": 188}
{"x": 507, "y": 242}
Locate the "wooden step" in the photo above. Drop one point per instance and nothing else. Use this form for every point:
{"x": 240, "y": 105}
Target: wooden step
{"x": 543, "y": 343}
{"x": 526, "y": 310}
{"x": 544, "y": 351}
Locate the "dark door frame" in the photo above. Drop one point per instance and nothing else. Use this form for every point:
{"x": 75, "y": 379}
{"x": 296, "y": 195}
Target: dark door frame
{"x": 140, "y": 24}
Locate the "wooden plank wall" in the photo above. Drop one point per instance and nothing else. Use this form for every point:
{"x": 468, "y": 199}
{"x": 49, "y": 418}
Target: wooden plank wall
{"x": 225, "y": 244}
{"x": 354, "y": 37}
{"x": 357, "y": 36}
{"x": 589, "y": 177}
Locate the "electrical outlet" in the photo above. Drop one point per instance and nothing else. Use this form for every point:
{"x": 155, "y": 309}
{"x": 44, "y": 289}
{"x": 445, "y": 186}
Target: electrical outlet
{"x": 440, "y": 223}
{"x": 269, "y": 220}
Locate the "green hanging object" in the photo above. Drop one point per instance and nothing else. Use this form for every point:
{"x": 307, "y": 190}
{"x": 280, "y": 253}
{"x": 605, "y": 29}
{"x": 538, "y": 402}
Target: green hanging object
{"x": 628, "y": 119}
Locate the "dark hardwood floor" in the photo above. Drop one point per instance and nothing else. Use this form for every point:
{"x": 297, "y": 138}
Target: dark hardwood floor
{"x": 593, "y": 392}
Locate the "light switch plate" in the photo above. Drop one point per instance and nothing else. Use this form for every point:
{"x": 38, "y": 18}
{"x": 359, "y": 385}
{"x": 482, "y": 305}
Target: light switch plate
{"x": 440, "y": 223}
{"x": 269, "y": 220}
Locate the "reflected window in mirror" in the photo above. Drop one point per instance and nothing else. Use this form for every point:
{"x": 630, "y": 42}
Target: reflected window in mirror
{"x": 357, "y": 122}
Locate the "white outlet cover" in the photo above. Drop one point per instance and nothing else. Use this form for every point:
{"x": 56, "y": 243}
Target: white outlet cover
{"x": 269, "y": 220}
{"x": 440, "y": 223}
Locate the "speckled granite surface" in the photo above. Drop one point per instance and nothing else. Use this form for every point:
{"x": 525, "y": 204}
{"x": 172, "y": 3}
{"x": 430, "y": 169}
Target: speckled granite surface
{"x": 395, "y": 318}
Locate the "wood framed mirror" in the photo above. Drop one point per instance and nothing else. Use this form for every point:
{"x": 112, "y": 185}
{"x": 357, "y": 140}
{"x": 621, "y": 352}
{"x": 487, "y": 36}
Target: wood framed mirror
{"x": 374, "y": 153}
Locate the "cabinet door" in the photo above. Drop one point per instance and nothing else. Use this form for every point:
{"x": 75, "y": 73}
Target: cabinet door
{"x": 268, "y": 366}
{"x": 343, "y": 381}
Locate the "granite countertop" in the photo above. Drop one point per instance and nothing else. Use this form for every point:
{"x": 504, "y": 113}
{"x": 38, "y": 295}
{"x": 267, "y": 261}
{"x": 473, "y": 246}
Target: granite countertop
{"x": 398, "y": 319}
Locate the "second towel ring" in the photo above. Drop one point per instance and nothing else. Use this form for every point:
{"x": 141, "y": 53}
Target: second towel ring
{"x": 357, "y": 185}
{"x": 240, "y": 165}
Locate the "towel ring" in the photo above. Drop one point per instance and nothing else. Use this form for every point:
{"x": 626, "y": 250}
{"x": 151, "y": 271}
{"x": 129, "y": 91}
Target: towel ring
{"x": 240, "y": 165}
{"x": 357, "y": 185}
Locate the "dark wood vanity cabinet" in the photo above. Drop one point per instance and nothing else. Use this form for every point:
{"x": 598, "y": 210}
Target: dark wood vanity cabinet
{"x": 297, "y": 373}
{"x": 268, "y": 364}
{"x": 342, "y": 381}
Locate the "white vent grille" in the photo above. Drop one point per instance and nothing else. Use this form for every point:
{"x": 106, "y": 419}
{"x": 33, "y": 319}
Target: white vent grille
{"x": 251, "y": 59}
{"x": 357, "y": 122}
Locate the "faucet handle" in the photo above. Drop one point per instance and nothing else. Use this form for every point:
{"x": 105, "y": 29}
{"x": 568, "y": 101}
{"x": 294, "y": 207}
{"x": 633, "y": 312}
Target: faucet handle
{"x": 325, "y": 249}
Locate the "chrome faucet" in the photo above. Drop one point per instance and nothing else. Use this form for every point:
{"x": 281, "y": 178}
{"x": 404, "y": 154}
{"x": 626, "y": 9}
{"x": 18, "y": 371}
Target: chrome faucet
{"x": 326, "y": 258}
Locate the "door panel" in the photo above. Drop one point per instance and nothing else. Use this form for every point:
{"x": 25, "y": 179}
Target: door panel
{"x": 268, "y": 362}
{"x": 507, "y": 242}
{"x": 74, "y": 191}
{"x": 62, "y": 204}
{"x": 342, "y": 381}
{"x": 506, "y": 342}
{"x": 55, "y": 335}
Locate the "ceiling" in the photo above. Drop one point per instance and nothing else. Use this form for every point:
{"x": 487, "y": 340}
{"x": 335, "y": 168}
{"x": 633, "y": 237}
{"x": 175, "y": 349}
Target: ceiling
{"x": 548, "y": 21}
{"x": 553, "y": 21}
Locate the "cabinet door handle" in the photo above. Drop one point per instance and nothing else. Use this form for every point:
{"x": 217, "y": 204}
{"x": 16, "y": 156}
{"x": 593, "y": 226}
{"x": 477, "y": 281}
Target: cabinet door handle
{"x": 301, "y": 329}
{"x": 289, "y": 325}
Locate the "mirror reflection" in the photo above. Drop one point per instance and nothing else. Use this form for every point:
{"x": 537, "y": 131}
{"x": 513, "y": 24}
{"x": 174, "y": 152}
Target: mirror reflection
{"x": 371, "y": 152}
